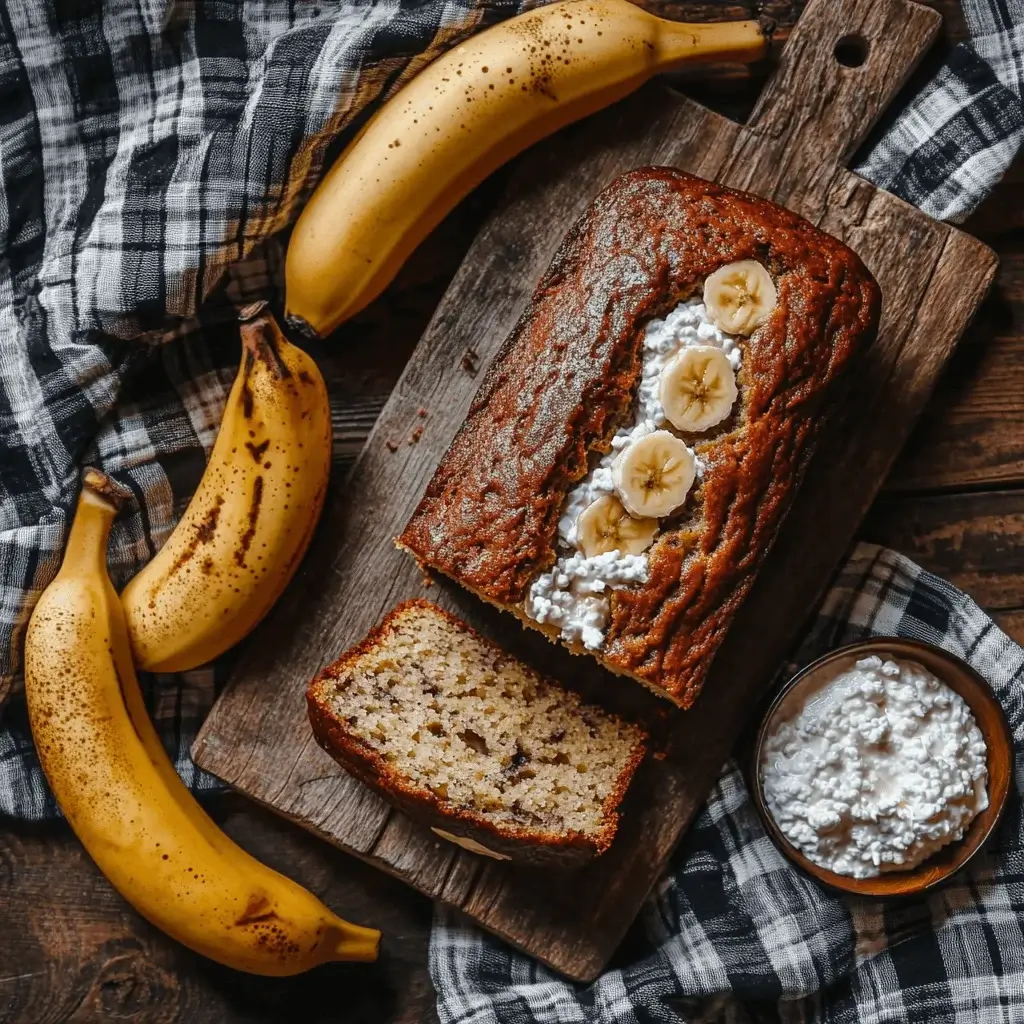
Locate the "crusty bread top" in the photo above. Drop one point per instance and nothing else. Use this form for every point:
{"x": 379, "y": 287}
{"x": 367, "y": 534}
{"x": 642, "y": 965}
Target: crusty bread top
{"x": 567, "y": 376}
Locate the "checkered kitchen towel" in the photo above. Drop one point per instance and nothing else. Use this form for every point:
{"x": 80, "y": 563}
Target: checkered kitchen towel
{"x": 738, "y": 935}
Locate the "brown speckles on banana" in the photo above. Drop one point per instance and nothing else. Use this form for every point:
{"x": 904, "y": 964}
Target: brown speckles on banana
{"x": 245, "y": 541}
{"x": 257, "y": 450}
{"x": 203, "y": 532}
{"x": 208, "y": 527}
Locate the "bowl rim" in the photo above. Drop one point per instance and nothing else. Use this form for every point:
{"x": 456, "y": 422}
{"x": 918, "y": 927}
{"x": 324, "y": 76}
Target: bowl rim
{"x": 901, "y": 646}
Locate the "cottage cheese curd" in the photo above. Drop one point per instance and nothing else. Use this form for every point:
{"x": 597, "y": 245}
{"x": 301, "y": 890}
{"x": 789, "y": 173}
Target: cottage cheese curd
{"x": 574, "y": 594}
{"x": 876, "y": 770}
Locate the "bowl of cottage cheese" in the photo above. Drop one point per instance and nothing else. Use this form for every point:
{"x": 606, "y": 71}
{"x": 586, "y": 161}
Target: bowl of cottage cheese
{"x": 882, "y": 767}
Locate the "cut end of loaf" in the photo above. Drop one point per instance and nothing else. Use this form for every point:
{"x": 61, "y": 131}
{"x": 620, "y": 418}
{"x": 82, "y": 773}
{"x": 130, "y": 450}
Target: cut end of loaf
{"x": 446, "y": 722}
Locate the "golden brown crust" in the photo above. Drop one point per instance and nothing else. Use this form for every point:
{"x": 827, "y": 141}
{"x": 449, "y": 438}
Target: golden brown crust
{"x": 569, "y": 370}
{"x": 523, "y": 844}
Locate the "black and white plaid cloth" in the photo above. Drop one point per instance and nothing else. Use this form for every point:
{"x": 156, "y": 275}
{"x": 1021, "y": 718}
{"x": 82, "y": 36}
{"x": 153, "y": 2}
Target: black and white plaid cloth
{"x": 151, "y": 152}
{"x": 733, "y": 925}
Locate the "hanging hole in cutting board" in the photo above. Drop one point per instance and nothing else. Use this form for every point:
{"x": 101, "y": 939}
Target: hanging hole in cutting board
{"x": 852, "y": 51}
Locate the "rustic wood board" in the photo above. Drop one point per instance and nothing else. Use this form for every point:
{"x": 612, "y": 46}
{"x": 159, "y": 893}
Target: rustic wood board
{"x": 811, "y": 117}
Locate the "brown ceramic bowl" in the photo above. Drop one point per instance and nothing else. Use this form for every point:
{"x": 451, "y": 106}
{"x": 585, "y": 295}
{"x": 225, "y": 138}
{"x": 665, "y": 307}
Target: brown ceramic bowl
{"x": 957, "y": 675}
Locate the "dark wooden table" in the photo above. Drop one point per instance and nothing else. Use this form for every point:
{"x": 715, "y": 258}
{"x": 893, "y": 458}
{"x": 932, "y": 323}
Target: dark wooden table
{"x": 71, "y": 950}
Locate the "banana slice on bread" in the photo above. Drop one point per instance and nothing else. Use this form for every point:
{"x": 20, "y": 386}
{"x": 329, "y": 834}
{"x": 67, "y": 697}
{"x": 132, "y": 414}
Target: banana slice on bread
{"x": 698, "y": 388}
{"x": 653, "y": 475}
{"x": 605, "y": 525}
{"x": 740, "y": 296}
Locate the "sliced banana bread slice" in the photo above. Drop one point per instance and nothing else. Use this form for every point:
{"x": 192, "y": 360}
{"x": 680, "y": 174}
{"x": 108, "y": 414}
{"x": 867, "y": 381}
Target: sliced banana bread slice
{"x": 469, "y": 740}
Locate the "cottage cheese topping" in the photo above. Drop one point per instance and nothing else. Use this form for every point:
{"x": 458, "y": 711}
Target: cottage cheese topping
{"x": 574, "y": 594}
{"x": 876, "y": 770}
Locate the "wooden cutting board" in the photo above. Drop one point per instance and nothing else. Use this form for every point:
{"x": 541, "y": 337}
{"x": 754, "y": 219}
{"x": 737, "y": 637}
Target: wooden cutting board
{"x": 810, "y": 119}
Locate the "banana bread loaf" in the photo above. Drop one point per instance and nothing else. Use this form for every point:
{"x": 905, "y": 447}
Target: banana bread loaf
{"x": 633, "y": 449}
{"x": 470, "y": 741}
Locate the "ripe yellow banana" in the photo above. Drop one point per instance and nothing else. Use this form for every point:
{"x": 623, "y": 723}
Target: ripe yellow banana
{"x": 461, "y": 118}
{"x": 120, "y": 792}
{"x": 251, "y": 519}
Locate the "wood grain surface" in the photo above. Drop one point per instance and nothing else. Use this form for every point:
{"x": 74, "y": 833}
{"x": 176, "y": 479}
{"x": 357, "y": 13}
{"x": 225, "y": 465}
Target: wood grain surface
{"x": 810, "y": 119}
{"x": 67, "y": 933}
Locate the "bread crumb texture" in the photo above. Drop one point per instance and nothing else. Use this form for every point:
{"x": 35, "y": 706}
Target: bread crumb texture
{"x": 474, "y": 726}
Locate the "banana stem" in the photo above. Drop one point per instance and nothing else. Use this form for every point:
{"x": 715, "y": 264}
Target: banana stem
{"x": 262, "y": 340}
{"x": 354, "y": 942}
{"x": 98, "y": 504}
{"x": 717, "y": 42}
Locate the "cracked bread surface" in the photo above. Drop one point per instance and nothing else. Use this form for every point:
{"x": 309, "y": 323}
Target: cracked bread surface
{"x": 468, "y": 739}
{"x": 567, "y": 377}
